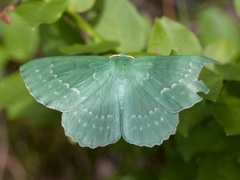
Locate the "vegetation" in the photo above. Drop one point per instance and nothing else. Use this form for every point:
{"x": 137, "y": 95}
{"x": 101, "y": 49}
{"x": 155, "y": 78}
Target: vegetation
{"x": 207, "y": 142}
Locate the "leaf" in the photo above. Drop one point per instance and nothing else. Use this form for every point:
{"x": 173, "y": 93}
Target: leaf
{"x": 218, "y": 167}
{"x": 50, "y": 37}
{"x": 144, "y": 95}
{"x": 167, "y": 35}
{"x": 126, "y": 27}
{"x": 182, "y": 170}
{"x": 228, "y": 71}
{"x": 34, "y": 13}
{"x": 80, "y": 6}
{"x": 213, "y": 81}
{"x": 84, "y": 26}
{"x": 37, "y": 114}
{"x": 189, "y": 118}
{"x": 14, "y": 99}
{"x": 216, "y": 25}
{"x": 93, "y": 48}
{"x": 224, "y": 51}
{"x": 227, "y": 114}
{"x": 203, "y": 138}
{"x": 20, "y": 41}
{"x": 19, "y": 103}
{"x": 237, "y": 6}
{"x": 3, "y": 56}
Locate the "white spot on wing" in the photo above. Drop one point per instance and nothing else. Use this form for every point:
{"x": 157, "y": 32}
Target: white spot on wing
{"x": 191, "y": 65}
{"x": 66, "y": 84}
{"x": 133, "y": 116}
{"x": 173, "y": 85}
{"x": 109, "y": 116}
{"x": 192, "y": 87}
{"x": 180, "y": 80}
{"x": 94, "y": 76}
{"x": 56, "y": 93}
{"x": 164, "y": 90}
{"x": 37, "y": 70}
{"x": 76, "y": 90}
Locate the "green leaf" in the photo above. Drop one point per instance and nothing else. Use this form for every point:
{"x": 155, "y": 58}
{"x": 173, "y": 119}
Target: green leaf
{"x": 167, "y": 35}
{"x": 228, "y": 71}
{"x": 232, "y": 88}
{"x": 222, "y": 50}
{"x": 119, "y": 21}
{"x": 4, "y": 55}
{"x": 182, "y": 170}
{"x": 220, "y": 166}
{"x": 227, "y": 113}
{"x": 84, "y": 26}
{"x": 20, "y": 41}
{"x": 38, "y": 114}
{"x": 34, "y": 13}
{"x": 189, "y": 118}
{"x": 204, "y": 139}
{"x": 12, "y": 98}
{"x": 237, "y": 6}
{"x": 50, "y": 37}
{"x": 68, "y": 32}
{"x": 80, "y": 5}
{"x": 215, "y": 25}
{"x": 92, "y": 48}
{"x": 213, "y": 81}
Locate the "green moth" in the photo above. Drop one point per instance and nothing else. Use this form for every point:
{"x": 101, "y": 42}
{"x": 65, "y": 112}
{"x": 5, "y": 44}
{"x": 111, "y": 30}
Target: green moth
{"x": 103, "y": 99}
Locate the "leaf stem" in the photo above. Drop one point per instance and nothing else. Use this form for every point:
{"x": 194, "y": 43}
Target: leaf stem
{"x": 82, "y": 24}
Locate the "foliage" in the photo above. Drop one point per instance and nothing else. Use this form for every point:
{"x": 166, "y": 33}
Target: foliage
{"x": 206, "y": 145}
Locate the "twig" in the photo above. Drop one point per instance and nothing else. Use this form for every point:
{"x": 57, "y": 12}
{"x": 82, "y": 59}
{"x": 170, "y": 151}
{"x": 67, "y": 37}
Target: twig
{"x": 3, "y": 144}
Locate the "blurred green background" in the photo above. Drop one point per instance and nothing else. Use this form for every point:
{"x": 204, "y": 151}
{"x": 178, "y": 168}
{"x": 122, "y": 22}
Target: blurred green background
{"x": 207, "y": 142}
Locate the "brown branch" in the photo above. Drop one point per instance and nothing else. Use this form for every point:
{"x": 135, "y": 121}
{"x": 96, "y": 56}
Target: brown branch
{"x": 3, "y": 145}
{"x": 169, "y": 9}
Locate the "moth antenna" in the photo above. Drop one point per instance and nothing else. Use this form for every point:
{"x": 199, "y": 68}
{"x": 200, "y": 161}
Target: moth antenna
{"x": 117, "y": 55}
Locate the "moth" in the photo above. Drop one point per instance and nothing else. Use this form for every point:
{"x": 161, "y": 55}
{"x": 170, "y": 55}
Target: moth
{"x": 105, "y": 98}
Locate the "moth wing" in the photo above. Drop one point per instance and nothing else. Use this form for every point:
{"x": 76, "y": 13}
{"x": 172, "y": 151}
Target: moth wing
{"x": 96, "y": 122}
{"x": 145, "y": 122}
{"x": 172, "y": 80}
{"x": 63, "y": 83}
